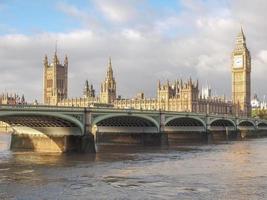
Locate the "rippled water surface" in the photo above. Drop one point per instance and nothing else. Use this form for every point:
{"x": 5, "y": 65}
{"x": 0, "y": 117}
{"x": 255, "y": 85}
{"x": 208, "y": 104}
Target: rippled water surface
{"x": 234, "y": 170}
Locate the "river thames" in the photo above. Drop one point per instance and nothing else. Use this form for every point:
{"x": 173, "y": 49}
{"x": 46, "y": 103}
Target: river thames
{"x": 231, "y": 170}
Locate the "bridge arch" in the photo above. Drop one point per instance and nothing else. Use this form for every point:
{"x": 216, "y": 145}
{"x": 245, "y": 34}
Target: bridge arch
{"x": 220, "y": 122}
{"x": 246, "y": 123}
{"x": 38, "y": 119}
{"x": 185, "y": 121}
{"x": 262, "y": 124}
{"x": 125, "y": 120}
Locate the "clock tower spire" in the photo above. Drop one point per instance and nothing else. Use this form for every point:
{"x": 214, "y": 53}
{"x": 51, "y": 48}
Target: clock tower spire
{"x": 241, "y": 72}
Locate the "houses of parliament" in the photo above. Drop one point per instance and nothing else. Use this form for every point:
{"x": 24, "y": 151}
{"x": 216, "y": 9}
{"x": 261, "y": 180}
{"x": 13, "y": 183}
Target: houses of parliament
{"x": 181, "y": 96}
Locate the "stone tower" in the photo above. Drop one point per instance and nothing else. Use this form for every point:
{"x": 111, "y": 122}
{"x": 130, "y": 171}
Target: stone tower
{"x": 241, "y": 72}
{"x": 164, "y": 93}
{"x": 55, "y": 80}
{"x": 88, "y": 90}
{"x": 108, "y": 86}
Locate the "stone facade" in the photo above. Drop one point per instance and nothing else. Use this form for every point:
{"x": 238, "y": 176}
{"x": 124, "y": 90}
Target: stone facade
{"x": 55, "y": 80}
{"x": 178, "y": 96}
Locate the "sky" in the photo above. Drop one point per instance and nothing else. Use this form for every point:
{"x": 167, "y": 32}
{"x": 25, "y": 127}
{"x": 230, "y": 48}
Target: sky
{"x": 148, "y": 40}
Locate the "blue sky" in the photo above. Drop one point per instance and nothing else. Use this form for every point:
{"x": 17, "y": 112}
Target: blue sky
{"x": 148, "y": 40}
{"x": 31, "y": 16}
{"x": 35, "y": 16}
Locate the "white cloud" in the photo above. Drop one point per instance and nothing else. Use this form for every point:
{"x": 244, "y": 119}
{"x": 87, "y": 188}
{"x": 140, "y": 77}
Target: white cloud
{"x": 72, "y": 10}
{"x": 117, "y": 10}
{"x": 131, "y": 34}
{"x": 263, "y": 56}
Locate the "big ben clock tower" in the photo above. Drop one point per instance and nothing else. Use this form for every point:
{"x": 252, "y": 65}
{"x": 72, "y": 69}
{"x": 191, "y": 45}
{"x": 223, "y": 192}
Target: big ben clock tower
{"x": 241, "y": 70}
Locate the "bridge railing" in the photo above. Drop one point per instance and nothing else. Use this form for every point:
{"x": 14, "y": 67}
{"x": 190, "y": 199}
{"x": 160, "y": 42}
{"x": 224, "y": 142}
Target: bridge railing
{"x": 39, "y": 107}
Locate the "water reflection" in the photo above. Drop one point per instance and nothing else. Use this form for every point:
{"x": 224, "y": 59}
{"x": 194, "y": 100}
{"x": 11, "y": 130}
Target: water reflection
{"x": 5, "y": 139}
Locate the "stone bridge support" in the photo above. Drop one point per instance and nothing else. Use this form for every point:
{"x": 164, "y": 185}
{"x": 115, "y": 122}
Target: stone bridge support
{"x": 261, "y": 128}
{"x": 45, "y": 139}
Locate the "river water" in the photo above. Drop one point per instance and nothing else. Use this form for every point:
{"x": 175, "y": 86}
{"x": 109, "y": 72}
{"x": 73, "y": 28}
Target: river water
{"x": 232, "y": 170}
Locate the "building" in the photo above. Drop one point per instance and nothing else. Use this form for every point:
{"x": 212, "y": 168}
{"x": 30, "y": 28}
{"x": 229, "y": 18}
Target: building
{"x": 241, "y": 75}
{"x": 88, "y": 91}
{"x": 89, "y": 98}
{"x": 206, "y": 92}
{"x": 179, "y": 95}
{"x": 55, "y": 80}
{"x": 257, "y": 104}
{"x": 12, "y": 99}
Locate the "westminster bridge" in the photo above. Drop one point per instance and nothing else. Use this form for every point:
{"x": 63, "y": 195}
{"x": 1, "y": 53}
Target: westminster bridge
{"x": 62, "y": 129}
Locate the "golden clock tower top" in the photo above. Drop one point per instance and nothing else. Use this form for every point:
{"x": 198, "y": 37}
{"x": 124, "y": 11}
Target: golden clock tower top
{"x": 241, "y": 39}
{"x": 240, "y": 44}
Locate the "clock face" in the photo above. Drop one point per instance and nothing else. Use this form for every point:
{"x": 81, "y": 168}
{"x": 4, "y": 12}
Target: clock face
{"x": 238, "y": 61}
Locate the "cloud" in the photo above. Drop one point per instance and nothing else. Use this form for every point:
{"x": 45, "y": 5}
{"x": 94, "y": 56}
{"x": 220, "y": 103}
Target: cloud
{"x": 72, "y": 11}
{"x": 117, "y": 10}
{"x": 263, "y": 56}
{"x": 196, "y": 41}
{"x": 131, "y": 34}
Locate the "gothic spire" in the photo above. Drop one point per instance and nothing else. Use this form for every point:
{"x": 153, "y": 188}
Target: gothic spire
{"x": 55, "y": 59}
{"x": 45, "y": 60}
{"x": 87, "y": 84}
{"x": 66, "y": 60}
{"x": 56, "y": 47}
{"x": 159, "y": 84}
{"x": 110, "y": 70}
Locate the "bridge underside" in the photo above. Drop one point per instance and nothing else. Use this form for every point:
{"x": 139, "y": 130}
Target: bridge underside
{"x": 184, "y": 124}
{"x": 262, "y": 126}
{"x": 127, "y": 130}
{"x": 36, "y": 121}
{"x": 222, "y": 125}
{"x": 185, "y": 130}
{"x": 246, "y": 126}
{"x": 126, "y": 124}
{"x": 42, "y": 125}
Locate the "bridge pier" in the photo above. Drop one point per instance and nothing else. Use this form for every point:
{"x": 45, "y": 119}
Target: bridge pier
{"x": 262, "y": 133}
{"x": 59, "y": 144}
{"x": 249, "y": 133}
{"x": 87, "y": 143}
{"x": 222, "y": 135}
{"x": 38, "y": 143}
{"x": 164, "y": 139}
{"x": 183, "y": 137}
{"x": 103, "y": 138}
